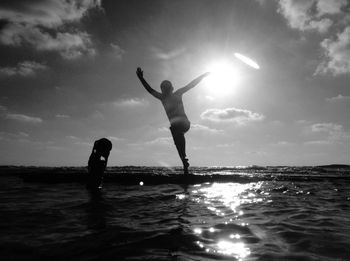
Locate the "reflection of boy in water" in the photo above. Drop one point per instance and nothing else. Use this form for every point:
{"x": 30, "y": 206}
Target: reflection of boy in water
{"x": 98, "y": 162}
{"x": 174, "y": 108}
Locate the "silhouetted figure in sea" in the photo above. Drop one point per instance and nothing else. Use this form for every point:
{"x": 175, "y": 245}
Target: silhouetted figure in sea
{"x": 174, "y": 108}
{"x": 97, "y": 163}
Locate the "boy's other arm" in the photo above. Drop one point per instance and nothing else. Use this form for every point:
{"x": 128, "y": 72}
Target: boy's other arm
{"x": 193, "y": 83}
{"x": 145, "y": 84}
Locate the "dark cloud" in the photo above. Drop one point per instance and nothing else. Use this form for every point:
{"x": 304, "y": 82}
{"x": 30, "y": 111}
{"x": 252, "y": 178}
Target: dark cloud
{"x": 48, "y": 13}
{"x": 43, "y": 26}
{"x": 26, "y": 68}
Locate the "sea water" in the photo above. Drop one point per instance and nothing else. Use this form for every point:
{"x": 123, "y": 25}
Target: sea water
{"x": 262, "y": 220}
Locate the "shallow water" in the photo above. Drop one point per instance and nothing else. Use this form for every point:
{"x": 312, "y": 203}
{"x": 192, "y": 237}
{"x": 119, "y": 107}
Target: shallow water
{"x": 265, "y": 220}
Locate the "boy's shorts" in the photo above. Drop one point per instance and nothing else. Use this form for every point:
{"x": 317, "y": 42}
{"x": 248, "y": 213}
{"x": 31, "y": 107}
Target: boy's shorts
{"x": 180, "y": 126}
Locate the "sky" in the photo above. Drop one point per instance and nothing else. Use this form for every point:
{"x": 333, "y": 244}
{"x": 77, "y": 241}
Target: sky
{"x": 67, "y": 78}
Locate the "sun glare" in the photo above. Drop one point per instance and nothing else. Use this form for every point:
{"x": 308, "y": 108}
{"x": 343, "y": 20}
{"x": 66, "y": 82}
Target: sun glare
{"x": 222, "y": 79}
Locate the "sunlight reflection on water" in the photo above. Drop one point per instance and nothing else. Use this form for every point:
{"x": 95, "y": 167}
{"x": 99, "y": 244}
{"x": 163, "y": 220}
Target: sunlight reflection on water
{"x": 225, "y": 235}
{"x": 236, "y": 249}
{"x": 231, "y": 195}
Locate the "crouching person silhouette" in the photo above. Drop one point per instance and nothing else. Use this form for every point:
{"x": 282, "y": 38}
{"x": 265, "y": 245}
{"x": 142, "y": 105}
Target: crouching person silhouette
{"x": 97, "y": 163}
{"x": 174, "y": 108}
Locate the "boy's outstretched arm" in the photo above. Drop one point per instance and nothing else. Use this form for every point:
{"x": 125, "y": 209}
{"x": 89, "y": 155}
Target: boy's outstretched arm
{"x": 193, "y": 83}
{"x": 145, "y": 84}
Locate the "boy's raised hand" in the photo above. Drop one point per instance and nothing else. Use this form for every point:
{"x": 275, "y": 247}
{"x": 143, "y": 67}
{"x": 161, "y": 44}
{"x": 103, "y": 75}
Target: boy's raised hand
{"x": 139, "y": 72}
{"x": 205, "y": 74}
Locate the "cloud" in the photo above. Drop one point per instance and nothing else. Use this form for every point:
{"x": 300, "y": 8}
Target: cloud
{"x": 330, "y": 6}
{"x": 161, "y": 141}
{"x": 62, "y": 116}
{"x": 261, "y": 2}
{"x": 334, "y": 133}
{"x": 97, "y": 115}
{"x": 43, "y": 25}
{"x": 202, "y": 128}
{"x": 26, "y": 68}
{"x": 115, "y": 138}
{"x": 299, "y": 16}
{"x": 339, "y": 98}
{"x": 337, "y": 52}
{"x": 163, "y": 129}
{"x": 83, "y": 143}
{"x": 13, "y": 136}
{"x": 318, "y": 142}
{"x": 258, "y": 153}
{"x": 326, "y": 127}
{"x": 51, "y": 13}
{"x": 72, "y": 137}
{"x": 118, "y": 52}
{"x": 23, "y": 118}
{"x": 69, "y": 45}
{"x": 79, "y": 141}
{"x": 23, "y": 134}
{"x": 239, "y": 116}
{"x": 3, "y": 108}
{"x": 209, "y": 98}
{"x": 303, "y": 122}
{"x": 227, "y": 145}
{"x": 323, "y": 17}
{"x": 284, "y": 144}
{"x": 162, "y": 55}
{"x": 132, "y": 102}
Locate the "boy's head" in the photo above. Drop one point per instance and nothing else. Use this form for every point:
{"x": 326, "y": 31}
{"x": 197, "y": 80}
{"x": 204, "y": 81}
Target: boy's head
{"x": 166, "y": 87}
{"x": 103, "y": 147}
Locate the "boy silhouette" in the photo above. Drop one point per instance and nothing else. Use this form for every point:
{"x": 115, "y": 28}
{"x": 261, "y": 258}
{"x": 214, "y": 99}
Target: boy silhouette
{"x": 174, "y": 108}
{"x": 97, "y": 163}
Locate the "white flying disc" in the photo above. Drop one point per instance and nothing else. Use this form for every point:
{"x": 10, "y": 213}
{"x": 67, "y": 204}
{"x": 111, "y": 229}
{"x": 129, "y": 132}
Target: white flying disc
{"x": 247, "y": 61}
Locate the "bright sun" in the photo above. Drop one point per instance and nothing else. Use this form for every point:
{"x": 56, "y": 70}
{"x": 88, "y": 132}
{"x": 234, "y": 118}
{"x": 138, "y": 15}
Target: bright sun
{"x": 223, "y": 78}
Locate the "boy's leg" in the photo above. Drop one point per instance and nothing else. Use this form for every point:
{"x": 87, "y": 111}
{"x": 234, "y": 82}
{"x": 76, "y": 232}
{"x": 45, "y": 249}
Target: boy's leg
{"x": 180, "y": 143}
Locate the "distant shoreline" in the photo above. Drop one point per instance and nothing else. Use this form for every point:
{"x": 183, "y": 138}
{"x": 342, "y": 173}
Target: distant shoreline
{"x": 328, "y": 166}
{"x": 133, "y": 175}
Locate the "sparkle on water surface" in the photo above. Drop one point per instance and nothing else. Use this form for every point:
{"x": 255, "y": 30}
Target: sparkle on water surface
{"x": 224, "y": 201}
